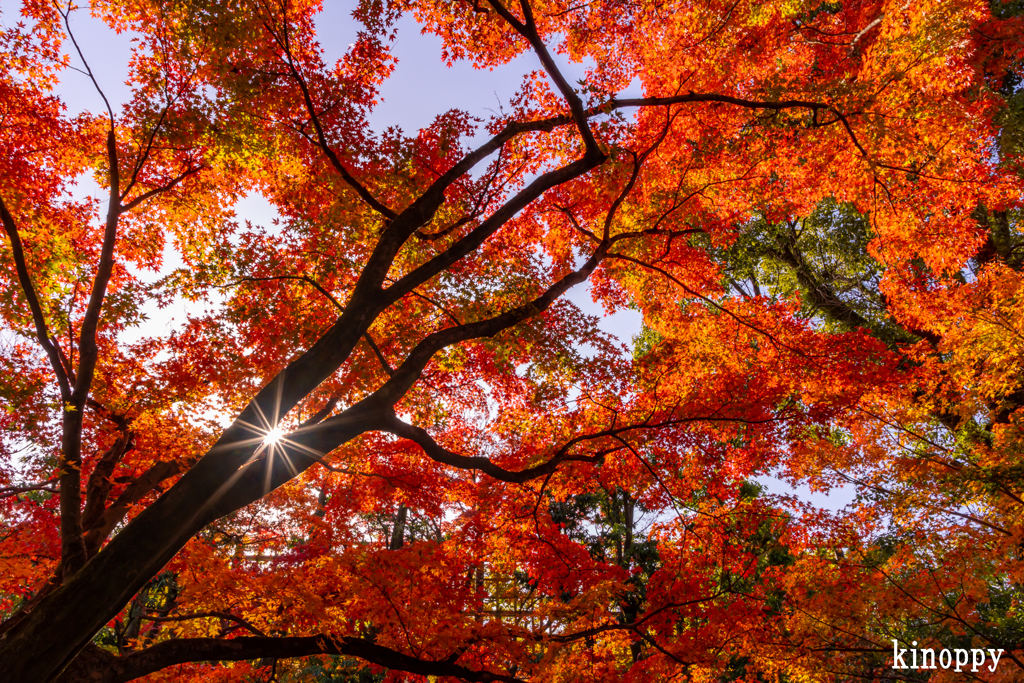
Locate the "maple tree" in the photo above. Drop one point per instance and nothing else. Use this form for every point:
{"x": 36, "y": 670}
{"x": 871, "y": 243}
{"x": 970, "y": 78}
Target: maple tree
{"x": 815, "y": 206}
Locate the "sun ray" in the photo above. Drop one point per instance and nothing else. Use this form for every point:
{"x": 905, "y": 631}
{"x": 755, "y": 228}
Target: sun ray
{"x": 273, "y": 436}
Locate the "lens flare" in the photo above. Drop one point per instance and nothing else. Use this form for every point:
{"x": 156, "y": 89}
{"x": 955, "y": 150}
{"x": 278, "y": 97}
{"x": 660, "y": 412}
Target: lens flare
{"x": 273, "y": 436}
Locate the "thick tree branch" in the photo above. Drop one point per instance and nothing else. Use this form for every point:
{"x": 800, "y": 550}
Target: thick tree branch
{"x": 476, "y": 237}
{"x": 101, "y": 523}
{"x": 529, "y": 31}
{"x": 305, "y": 447}
{"x": 818, "y": 293}
{"x": 73, "y": 548}
{"x": 822, "y": 297}
{"x": 25, "y": 279}
{"x": 235, "y": 447}
{"x": 442, "y": 455}
{"x": 180, "y": 651}
{"x": 98, "y": 486}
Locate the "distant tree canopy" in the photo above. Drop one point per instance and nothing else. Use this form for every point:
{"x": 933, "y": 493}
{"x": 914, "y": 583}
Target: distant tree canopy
{"x": 436, "y": 466}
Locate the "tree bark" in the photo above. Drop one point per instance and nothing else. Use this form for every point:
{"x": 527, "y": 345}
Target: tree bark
{"x": 95, "y": 665}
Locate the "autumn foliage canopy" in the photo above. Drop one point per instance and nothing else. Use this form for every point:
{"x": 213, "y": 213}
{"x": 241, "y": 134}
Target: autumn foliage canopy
{"x": 815, "y": 206}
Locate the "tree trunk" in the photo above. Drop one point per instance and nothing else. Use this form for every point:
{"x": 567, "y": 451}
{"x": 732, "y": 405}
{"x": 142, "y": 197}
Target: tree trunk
{"x": 398, "y": 533}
